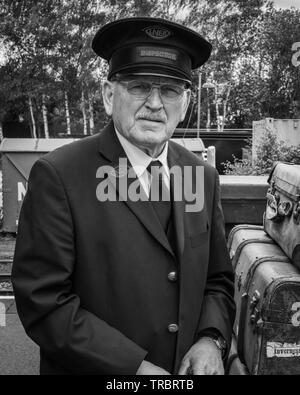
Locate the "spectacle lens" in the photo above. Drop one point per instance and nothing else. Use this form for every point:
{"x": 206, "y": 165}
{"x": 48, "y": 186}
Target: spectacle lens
{"x": 143, "y": 89}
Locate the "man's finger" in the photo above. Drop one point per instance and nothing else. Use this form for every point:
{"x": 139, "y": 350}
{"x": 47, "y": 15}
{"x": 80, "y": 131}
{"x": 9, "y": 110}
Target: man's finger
{"x": 184, "y": 369}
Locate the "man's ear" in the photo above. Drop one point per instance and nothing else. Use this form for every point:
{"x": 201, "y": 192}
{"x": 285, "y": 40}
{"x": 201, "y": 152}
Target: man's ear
{"x": 108, "y": 96}
{"x": 185, "y": 104}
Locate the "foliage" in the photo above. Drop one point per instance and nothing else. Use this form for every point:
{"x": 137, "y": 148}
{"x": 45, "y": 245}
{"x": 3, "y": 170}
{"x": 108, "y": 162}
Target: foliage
{"x": 48, "y": 53}
{"x": 239, "y": 167}
{"x": 269, "y": 151}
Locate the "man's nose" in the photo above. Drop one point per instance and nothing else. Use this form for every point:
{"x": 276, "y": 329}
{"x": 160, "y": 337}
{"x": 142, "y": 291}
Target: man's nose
{"x": 154, "y": 99}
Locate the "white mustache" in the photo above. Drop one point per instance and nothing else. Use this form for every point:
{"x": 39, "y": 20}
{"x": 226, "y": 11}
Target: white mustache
{"x": 152, "y": 117}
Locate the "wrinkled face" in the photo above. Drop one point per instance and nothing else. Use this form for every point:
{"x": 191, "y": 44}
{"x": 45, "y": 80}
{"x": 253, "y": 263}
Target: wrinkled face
{"x": 147, "y": 122}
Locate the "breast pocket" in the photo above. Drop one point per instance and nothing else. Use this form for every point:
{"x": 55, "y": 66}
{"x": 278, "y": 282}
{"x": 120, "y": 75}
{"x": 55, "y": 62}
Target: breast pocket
{"x": 200, "y": 237}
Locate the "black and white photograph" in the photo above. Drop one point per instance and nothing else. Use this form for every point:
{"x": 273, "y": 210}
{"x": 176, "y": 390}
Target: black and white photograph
{"x": 149, "y": 190}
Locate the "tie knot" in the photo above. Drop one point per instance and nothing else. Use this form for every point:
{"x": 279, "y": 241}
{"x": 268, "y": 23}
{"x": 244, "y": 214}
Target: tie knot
{"x": 155, "y": 164}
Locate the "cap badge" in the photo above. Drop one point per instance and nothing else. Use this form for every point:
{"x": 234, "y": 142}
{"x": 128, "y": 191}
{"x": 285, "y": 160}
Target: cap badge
{"x": 157, "y": 32}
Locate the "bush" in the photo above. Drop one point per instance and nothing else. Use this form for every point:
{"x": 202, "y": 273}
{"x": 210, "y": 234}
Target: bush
{"x": 239, "y": 167}
{"x": 270, "y": 150}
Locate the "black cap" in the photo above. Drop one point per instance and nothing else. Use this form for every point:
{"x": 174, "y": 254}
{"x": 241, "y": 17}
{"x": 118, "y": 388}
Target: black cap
{"x": 151, "y": 46}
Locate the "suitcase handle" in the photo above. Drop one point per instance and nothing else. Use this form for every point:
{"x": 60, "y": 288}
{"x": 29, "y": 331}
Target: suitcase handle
{"x": 229, "y": 363}
{"x": 241, "y": 329}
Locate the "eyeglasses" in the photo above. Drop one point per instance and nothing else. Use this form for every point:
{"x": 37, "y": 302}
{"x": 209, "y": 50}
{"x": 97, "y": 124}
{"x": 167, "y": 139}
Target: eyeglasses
{"x": 143, "y": 89}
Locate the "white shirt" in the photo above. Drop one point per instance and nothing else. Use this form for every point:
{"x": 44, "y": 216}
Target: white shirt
{"x": 140, "y": 161}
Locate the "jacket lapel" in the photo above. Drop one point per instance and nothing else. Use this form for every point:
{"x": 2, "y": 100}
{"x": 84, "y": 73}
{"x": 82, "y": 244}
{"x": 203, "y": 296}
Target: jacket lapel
{"x": 112, "y": 150}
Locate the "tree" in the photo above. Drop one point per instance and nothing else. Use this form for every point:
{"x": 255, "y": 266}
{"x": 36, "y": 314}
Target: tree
{"x": 24, "y": 29}
{"x": 49, "y": 40}
{"x": 53, "y": 78}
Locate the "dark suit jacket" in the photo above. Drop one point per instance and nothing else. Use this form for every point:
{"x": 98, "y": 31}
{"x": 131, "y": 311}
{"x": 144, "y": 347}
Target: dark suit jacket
{"x": 91, "y": 278}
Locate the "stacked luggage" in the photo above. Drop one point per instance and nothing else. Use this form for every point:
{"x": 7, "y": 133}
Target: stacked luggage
{"x": 266, "y": 261}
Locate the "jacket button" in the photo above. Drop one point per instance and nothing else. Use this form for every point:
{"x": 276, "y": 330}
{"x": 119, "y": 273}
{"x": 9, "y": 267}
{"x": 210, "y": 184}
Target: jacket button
{"x": 172, "y": 277}
{"x": 173, "y": 328}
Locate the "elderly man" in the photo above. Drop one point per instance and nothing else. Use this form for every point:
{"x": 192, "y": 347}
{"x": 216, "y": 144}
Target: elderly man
{"x": 113, "y": 284}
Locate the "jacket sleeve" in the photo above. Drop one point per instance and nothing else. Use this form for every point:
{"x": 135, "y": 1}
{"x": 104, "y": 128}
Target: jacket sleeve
{"x": 218, "y": 309}
{"x": 42, "y": 271}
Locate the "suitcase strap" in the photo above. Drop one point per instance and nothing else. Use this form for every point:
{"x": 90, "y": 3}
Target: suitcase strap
{"x": 242, "y": 326}
{"x": 238, "y": 251}
{"x": 229, "y": 363}
{"x": 237, "y": 228}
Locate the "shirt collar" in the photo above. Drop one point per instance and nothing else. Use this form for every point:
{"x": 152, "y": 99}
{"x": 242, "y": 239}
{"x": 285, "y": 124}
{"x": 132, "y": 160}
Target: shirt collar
{"x": 139, "y": 159}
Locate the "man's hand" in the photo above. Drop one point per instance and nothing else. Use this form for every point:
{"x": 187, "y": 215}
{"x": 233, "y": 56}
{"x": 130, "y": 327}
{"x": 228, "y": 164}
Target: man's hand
{"x": 147, "y": 368}
{"x": 204, "y": 358}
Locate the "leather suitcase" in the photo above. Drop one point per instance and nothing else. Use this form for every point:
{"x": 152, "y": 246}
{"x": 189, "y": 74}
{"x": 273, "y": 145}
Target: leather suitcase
{"x": 267, "y": 294}
{"x": 282, "y": 216}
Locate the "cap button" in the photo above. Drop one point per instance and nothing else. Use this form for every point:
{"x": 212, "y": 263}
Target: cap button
{"x": 173, "y": 328}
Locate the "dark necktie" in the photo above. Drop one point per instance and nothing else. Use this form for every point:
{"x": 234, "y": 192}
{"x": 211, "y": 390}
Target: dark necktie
{"x": 159, "y": 194}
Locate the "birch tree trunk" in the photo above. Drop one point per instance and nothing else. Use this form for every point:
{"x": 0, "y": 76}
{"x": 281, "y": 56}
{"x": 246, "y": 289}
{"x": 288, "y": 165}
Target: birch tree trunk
{"x": 34, "y": 135}
{"x": 1, "y": 131}
{"x": 91, "y": 114}
{"x": 45, "y": 116}
{"x": 208, "y": 111}
{"x": 225, "y": 107}
{"x": 84, "y": 113}
{"x": 68, "y": 118}
{"x": 217, "y": 111}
